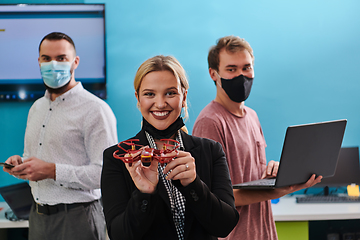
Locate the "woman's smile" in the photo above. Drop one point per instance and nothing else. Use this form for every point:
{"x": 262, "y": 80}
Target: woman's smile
{"x": 160, "y": 114}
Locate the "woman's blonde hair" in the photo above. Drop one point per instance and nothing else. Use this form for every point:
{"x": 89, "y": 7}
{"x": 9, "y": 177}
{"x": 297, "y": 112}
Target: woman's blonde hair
{"x": 164, "y": 63}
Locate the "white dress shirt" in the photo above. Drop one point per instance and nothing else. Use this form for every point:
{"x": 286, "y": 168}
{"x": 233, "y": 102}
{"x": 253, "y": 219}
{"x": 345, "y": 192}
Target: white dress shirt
{"x": 72, "y": 131}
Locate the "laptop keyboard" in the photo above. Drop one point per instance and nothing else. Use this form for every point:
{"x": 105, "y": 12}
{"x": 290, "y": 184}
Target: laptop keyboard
{"x": 263, "y": 182}
{"x": 327, "y": 199}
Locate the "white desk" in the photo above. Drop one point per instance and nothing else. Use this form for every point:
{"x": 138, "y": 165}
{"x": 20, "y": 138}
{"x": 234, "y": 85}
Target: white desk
{"x": 288, "y": 210}
{"x": 292, "y": 219}
{"x": 5, "y": 223}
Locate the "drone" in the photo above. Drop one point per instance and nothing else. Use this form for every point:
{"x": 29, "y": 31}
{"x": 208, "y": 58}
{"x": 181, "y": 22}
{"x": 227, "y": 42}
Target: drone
{"x": 146, "y": 154}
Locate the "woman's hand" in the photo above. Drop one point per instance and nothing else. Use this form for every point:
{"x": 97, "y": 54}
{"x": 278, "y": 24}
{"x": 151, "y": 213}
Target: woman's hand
{"x": 145, "y": 178}
{"x": 181, "y": 168}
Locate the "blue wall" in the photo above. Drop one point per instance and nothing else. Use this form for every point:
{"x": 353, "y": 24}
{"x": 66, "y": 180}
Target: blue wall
{"x": 307, "y": 56}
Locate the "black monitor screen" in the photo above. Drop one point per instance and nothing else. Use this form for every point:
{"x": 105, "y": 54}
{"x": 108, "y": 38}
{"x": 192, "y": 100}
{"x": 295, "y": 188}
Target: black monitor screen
{"x": 21, "y": 29}
{"x": 347, "y": 169}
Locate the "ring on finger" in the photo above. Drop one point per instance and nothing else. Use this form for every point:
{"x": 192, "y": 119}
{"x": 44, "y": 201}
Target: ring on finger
{"x": 187, "y": 167}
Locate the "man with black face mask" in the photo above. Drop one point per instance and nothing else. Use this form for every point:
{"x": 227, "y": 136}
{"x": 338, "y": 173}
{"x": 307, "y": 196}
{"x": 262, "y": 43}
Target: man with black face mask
{"x": 66, "y": 132}
{"x": 228, "y": 121}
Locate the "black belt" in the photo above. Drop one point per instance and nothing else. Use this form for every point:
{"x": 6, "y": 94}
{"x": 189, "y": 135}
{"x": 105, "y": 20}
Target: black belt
{"x": 52, "y": 209}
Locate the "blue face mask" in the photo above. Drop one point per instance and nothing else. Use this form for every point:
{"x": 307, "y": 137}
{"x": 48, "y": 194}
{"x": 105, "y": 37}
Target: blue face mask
{"x": 56, "y": 74}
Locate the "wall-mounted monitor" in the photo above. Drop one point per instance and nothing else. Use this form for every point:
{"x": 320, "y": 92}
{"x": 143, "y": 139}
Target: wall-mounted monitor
{"x": 21, "y": 29}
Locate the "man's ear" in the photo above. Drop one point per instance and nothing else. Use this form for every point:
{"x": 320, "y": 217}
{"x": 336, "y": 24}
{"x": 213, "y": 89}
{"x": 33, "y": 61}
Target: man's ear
{"x": 76, "y": 62}
{"x": 214, "y": 75}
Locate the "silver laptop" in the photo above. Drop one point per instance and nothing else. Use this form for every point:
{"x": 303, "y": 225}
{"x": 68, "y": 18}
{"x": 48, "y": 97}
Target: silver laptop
{"x": 308, "y": 149}
{"x": 19, "y": 198}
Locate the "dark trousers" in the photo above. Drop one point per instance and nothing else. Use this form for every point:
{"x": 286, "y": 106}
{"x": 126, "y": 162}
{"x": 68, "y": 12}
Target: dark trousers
{"x": 80, "y": 223}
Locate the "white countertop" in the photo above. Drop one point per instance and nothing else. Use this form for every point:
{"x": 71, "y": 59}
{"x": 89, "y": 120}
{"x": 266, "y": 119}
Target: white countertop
{"x": 5, "y": 223}
{"x": 288, "y": 210}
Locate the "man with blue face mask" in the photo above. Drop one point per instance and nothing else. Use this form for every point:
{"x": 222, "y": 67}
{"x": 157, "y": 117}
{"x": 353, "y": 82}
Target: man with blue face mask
{"x": 66, "y": 133}
{"x": 56, "y": 74}
{"x": 228, "y": 121}
{"x": 58, "y": 62}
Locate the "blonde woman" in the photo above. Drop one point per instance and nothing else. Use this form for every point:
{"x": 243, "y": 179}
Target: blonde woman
{"x": 188, "y": 198}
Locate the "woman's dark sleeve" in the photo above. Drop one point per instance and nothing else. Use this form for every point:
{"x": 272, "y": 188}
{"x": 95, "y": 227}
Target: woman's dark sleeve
{"x": 128, "y": 212}
{"x": 213, "y": 203}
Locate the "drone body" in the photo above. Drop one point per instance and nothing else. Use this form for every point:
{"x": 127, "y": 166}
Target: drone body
{"x": 146, "y": 154}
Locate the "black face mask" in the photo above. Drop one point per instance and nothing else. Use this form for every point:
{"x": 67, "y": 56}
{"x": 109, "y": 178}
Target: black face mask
{"x": 238, "y": 89}
{"x": 163, "y": 134}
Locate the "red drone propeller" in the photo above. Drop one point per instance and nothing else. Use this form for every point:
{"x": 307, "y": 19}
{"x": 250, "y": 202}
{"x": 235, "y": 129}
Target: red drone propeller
{"x": 146, "y": 154}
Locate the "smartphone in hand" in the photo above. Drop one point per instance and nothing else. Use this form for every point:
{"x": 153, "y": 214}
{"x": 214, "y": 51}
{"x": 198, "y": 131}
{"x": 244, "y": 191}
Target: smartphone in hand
{"x": 6, "y": 165}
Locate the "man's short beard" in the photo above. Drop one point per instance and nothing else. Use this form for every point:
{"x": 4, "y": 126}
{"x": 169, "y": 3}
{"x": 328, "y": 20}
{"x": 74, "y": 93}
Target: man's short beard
{"x": 58, "y": 90}
{"x": 62, "y": 89}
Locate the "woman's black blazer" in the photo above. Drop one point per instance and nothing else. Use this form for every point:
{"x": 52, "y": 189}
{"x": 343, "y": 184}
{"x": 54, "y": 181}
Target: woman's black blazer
{"x": 210, "y": 210}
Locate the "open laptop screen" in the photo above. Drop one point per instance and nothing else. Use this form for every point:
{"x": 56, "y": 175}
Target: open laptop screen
{"x": 19, "y": 198}
{"x": 347, "y": 169}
